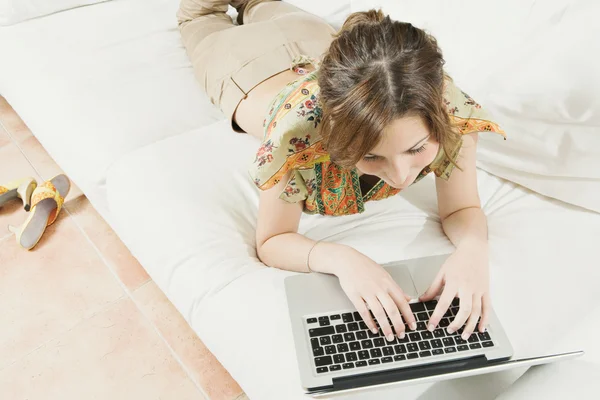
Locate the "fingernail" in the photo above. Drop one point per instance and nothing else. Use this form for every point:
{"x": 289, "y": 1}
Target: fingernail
{"x": 465, "y": 336}
{"x": 430, "y": 328}
{"x": 450, "y": 330}
{"x": 413, "y": 325}
{"x": 390, "y": 337}
{"x": 402, "y": 334}
{"x": 374, "y": 330}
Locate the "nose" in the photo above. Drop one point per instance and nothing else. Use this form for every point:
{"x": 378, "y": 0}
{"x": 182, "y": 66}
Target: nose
{"x": 399, "y": 172}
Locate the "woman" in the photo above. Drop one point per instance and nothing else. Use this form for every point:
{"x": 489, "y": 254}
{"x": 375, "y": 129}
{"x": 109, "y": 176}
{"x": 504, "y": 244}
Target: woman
{"x": 373, "y": 117}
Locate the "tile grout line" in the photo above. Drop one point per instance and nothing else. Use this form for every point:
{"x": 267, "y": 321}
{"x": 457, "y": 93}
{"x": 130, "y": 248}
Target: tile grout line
{"x": 130, "y": 295}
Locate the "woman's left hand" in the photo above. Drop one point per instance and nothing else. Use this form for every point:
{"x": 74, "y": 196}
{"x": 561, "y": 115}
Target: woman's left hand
{"x": 465, "y": 275}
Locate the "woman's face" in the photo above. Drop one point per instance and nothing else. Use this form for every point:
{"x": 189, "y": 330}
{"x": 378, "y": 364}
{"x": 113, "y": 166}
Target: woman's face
{"x": 406, "y": 148}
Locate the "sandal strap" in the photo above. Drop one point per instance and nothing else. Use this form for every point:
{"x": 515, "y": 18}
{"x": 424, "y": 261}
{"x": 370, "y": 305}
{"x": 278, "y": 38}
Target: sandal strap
{"x": 47, "y": 191}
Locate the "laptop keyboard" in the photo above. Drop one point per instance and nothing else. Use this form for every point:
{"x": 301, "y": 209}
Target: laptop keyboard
{"x": 343, "y": 341}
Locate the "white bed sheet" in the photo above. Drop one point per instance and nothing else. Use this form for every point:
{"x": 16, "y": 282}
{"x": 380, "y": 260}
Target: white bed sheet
{"x": 194, "y": 233}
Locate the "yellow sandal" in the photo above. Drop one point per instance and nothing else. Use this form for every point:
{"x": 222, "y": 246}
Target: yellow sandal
{"x": 22, "y": 188}
{"x": 46, "y": 202}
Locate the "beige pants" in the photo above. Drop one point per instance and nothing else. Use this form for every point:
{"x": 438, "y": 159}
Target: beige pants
{"x": 230, "y": 60}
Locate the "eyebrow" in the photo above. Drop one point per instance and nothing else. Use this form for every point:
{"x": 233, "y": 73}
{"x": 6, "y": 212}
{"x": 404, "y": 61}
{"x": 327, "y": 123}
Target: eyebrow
{"x": 415, "y": 145}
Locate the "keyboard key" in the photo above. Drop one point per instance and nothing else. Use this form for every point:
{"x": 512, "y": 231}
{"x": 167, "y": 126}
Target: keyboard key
{"x": 448, "y": 341}
{"x": 427, "y": 335}
{"x": 412, "y": 347}
{"x": 456, "y": 302}
{"x": 347, "y": 317}
{"x": 330, "y": 350}
{"x": 311, "y": 320}
{"x": 325, "y": 340}
{"x": 339, "y": 358}
{"x": 400, "y": 357}
{"x": 437, "y": 352}
{"x": 355, "y": 346}
{"x": 417, "y": 307}
{"x": 421, "y": 326}
{"x": 324, "y": 318}
{"x": 375, "y": 353}
{"x": 439, "y": 333}
{"x": 454, "y": 310}
{"x": 405, "y": 340}
{"x": 415, "y": 336}
{"x": 324, "y": 323}
{"x": 460, "y": 340}
{"x": 422, "y": 316}
{"x": 370, "y": 334}
{"x": 335, "y": 317}
{"x": 353, "y": 326}
{"x": 361, "y": 363}
{"x": 444, "y": 322}
{"x": 473, "y": 338}
{"x": 450, "y": 349}
{"x": 483, "y": 336}
{"x": 360, "y": 335}
{"x": 363, "y": 355}
{"x": 387, "y": 359}
{"x": 341, "y": 328}
{"x": 319, "y": 351}
{"x": 374, "y": 361}
{"x": 400, "y": 349}
{"x": 379, "y": 342}
{"x": 449, "y": 313}
{"x": 430, "y": 305}
{"x": 388, "y": 351}
{"x": 342, "y": 348}
{"x": 463, "y": 347}
{"x": 351, "y": 356}
{"x": 314, "y": 332}
{"x": 411, "y": 356}
{"x": 436, "y": 343}
{"x": 337, "y": 338}
{"x": 348, "y": 365}
{"x": 325, "y": 360}
{"x": 367, "y": 344}
{"x": 349, "y": 337}
{"x": 335, "y": 367}
{"x": 314, "y": 343}
{"x": 475, "y": 345}
{"x": 363, "y": 326}
{"x": 424, "y": 354}
{"x": 320, "y": 370}
{"x": 424, "y": 345}
{"x": 487, "y": 344}
{"x": 357, "y": 316}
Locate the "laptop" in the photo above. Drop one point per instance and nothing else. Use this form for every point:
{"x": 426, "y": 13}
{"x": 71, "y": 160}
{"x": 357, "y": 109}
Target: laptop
{"x": 337, "y": 354}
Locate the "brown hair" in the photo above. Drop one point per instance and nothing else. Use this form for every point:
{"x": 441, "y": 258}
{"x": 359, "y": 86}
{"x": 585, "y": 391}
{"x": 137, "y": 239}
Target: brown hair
{"x": 375, "y": 71}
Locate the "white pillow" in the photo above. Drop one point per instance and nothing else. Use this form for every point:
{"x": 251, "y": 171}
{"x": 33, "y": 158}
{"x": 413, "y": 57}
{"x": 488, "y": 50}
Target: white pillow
{"x": 13, "y": 11}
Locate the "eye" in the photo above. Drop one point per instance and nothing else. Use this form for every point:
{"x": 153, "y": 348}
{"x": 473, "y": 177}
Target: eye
{"x": 371, "y": 158}
{"x": 416, "y": 151}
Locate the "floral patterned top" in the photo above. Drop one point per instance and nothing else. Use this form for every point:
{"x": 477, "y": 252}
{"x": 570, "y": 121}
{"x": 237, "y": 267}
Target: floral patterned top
{"x": 291, "y": 142}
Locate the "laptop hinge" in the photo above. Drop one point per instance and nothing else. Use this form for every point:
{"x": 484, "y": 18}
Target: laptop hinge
{"x": 412, "y": 372}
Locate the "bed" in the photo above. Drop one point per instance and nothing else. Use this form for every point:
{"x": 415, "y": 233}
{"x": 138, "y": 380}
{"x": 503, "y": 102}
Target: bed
{"x": 109, "y": 92}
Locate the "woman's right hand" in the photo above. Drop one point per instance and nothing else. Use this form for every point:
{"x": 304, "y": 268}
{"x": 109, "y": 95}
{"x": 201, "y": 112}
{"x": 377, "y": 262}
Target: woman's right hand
{"x": 367, "y": 283}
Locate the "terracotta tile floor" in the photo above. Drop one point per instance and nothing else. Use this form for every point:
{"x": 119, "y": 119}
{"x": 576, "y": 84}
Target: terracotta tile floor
{"x": 80, "y": 317}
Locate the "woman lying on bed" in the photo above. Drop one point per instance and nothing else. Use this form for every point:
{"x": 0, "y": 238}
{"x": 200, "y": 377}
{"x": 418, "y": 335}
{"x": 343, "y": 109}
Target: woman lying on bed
{"x": 345, "y": 118}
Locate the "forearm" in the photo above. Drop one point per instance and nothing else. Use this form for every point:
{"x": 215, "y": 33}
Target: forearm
{"x": 466, "y": 227}
{"x": 290, "y": 251}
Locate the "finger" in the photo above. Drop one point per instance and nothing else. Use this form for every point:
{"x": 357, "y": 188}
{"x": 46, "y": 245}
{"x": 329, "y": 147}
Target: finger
{"x": 485, "y": 313}
{"x": 434, "y": 289}
{"x": 405, "y": 309}
{"x": 463, "y": 312}
{"x": 407, "y": 297}
{"x": 392, "y": 311}
{"x": 475, "y": 313}
{"x": 362, "y": 309}
{"x": 441, "y": 308}
{"x": 380, "y": 315}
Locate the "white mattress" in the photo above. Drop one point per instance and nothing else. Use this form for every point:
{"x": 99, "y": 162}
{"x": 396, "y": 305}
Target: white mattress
{"x": 194, "y": 233}
{"x": 109, "y": 92}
